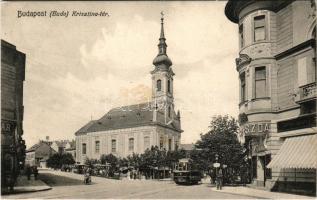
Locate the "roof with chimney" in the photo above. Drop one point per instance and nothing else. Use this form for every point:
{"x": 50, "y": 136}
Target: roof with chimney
{"x": 128, "y": 117}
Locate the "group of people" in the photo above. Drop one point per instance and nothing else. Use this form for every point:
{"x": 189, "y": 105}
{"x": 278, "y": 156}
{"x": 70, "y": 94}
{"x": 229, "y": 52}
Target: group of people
{"x": 29, "y": 170}
{"x": 217, "y": 178}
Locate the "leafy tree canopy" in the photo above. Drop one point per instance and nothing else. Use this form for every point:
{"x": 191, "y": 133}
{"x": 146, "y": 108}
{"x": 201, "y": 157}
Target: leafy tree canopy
{"x": 220, "y": 140}
{"x": 57, "y": 160}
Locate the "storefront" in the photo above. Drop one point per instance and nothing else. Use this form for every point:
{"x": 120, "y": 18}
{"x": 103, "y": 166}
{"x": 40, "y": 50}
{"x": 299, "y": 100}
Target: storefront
{"x": 257, "y": 135}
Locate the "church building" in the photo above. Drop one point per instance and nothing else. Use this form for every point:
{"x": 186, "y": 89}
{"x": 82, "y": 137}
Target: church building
{"x": 134, "y": 128}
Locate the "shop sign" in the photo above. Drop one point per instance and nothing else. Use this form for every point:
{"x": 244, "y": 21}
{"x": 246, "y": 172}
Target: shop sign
{"x": 255, "y": 128}
{"x": 216, "y": 165}
{"x": 7, "y": 127}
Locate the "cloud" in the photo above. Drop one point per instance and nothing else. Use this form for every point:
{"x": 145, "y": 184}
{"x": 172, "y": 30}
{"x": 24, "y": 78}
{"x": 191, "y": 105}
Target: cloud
{"x": 82, "y": 67}
{"x": 126, "y": 51}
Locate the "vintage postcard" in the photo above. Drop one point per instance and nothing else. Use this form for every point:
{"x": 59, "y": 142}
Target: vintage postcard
{"x": 158, "y": 99}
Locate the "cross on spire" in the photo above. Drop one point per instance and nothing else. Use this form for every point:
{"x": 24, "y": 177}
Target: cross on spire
{"x": 162, "y": 36}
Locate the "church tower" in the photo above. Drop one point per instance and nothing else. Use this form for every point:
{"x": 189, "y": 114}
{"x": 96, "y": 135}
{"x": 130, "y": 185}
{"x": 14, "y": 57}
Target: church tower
{"x": 162, "y": 80}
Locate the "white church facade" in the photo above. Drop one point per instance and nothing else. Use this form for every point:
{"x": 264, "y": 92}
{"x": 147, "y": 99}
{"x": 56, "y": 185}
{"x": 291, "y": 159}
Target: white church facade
{"x": 134, "y": 128}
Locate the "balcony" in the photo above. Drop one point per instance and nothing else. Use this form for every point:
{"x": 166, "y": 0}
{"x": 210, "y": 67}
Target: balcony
{"x": 307, "y": 92}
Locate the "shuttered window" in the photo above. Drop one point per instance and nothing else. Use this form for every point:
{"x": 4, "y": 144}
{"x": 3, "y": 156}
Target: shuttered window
{"x": 84, "y": 148}
{"x": 260, "y": 82}
{"x": 161, "y": 142}
{"x": 131, "y": 144}
{"x": 259, "y": 28}
{"x": 97, "y": 146}
{"x": 146, "y": 142}
{"x": 113, "y": 145}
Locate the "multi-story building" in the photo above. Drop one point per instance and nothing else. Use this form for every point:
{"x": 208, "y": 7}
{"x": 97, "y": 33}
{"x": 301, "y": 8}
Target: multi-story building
{"x": 277, "y": 72}
{"x": 135, "y": 128}
{"x": 12, "y": 145}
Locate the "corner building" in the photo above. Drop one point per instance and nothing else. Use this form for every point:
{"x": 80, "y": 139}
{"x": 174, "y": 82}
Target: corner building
{"x": 134, "y": 128}
{"x": 277, "y": 73}
{"x": 12, "y": 109}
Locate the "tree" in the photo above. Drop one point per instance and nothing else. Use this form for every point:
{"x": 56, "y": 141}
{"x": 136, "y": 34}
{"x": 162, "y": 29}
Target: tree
{"x": 134, "y": 160}
{"x": 67, "y": 159}
{"x": 54, "y": 161}
{"x": 57, "y": 160}
{"x": 112, "y": 160}
{"x": 220, "y": 140}
{"x": 172, "y": 157}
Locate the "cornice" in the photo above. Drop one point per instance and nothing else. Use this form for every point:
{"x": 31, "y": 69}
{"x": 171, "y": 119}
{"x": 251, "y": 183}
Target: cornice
{"x": 299, "y": 47}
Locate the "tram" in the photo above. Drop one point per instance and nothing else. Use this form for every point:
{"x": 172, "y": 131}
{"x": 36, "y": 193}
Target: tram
{"x": 184, "y": 173}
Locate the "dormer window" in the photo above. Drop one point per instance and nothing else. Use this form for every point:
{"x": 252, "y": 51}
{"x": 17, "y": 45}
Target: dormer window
{"x": 259, "y": 28}
{"x": 159, "y": 85}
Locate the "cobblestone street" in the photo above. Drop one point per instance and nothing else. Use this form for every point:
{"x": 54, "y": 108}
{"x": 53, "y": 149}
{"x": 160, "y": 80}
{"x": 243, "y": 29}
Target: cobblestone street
{"x": 69, "y": 185}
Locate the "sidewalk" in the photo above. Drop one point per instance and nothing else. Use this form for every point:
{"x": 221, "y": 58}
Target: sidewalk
{"x": 23, "y": 185}
{"x": 259, "y": 193}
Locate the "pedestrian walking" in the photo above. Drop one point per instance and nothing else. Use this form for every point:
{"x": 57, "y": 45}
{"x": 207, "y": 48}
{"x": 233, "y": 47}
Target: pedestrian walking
{"x": 28, "y": 172}
{"x": 35, "y": 172}
{"x": 219, "y": 179}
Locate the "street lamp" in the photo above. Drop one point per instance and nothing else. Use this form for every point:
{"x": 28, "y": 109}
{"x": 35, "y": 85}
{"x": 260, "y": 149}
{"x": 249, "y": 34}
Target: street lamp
{"x": 217, "y": 156}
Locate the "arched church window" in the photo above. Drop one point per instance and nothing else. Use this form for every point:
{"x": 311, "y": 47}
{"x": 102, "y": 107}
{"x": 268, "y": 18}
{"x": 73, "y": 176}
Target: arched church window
{"x": 168, "y": 86}
{"x": 159, "y": 85}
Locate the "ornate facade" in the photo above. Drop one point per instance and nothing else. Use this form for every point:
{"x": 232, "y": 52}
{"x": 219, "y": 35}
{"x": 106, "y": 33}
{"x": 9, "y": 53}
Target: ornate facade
{"x": 277, "y": 72}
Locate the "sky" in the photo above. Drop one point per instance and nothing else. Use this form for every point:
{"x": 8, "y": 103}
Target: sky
{"x": 78, "y": 68}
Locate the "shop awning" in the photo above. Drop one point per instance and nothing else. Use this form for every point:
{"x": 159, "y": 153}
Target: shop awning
{"x": 296, "y": 152}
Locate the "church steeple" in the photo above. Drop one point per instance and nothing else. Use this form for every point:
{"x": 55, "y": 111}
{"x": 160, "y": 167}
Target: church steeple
{"x": 162, "y": 57}
{"x": 162, "y": 45}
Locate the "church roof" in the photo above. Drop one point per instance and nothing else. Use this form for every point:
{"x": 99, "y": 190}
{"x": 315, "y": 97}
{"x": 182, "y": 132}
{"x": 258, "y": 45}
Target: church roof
{"x": 128, "y": 117}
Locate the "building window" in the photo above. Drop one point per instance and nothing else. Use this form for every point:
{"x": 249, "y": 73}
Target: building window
{"x": 97, "y": 146}
{"x": 161, "y": 142}
{"x": 259, "y": 28}
{"x": 260, "y": 82}
{"x": 159, "y": 85}
{"x": 169, "y": 111}
{"x": 146, "y": 142}
{"x": 84, "y": 148}
{"x": 241, "y": 35}
{"x": 131, "y": 144}
{"x": 176, "y": 145}
{"x": 243, "y": 88}
{"x": 169, "y": 144}
{"x": 113, "y": 145}
{"x": 169, "y": 86}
